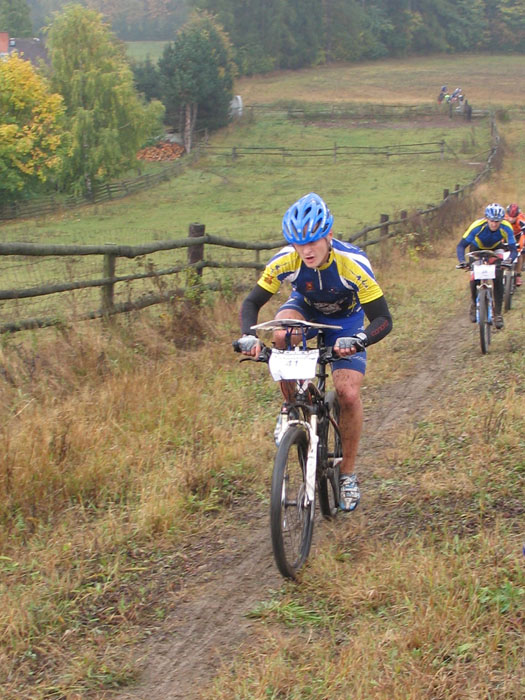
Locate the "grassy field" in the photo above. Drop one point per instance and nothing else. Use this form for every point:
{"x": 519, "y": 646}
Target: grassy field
{"x": 484, "y": 79}
{"x": 141, "y": 50}
{"x": 245, "y": 198}
{"x": 99, "y": 492}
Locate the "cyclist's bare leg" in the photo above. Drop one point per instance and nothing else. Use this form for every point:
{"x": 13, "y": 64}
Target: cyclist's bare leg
{"x": 287, "y": 388}
{"x": 348, "y": 384}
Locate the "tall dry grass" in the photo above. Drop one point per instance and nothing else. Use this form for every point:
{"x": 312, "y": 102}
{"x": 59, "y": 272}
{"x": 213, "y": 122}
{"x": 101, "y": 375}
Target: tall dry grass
{"x": 117, "y": 443}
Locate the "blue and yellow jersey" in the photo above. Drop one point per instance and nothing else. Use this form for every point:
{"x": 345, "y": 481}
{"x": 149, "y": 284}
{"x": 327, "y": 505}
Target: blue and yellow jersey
{"x": 338, "y": 287}
{"x": 479, "y": 237}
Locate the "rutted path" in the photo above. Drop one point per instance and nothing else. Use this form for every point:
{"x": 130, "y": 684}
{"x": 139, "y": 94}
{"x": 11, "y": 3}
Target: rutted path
{"x": 210, "y": 620}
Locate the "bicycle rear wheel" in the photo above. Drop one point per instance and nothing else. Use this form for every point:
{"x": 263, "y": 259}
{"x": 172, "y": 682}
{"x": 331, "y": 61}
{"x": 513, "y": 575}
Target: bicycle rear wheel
{"x": 291, "y": 518}
{"x": 508, "y": 283}
{"x": 329, "y": 454}
{"x": 484, "y": 324}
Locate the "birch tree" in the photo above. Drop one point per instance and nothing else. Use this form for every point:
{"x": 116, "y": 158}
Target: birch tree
{"x": 107, "y": 119}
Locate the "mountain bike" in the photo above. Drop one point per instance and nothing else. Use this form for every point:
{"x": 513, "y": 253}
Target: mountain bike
{"x": 483, "y": 264}
{"x": 309, "y": 449}
{"x": 509, "y": 283}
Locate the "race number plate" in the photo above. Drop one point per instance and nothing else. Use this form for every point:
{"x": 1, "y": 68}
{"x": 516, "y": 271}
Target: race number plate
{"x": 484, "y": 272}
{"x": 293, "y": 364}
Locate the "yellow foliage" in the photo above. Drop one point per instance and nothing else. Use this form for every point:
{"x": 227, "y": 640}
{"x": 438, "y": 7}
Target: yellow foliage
{"x": 31, "y": 134}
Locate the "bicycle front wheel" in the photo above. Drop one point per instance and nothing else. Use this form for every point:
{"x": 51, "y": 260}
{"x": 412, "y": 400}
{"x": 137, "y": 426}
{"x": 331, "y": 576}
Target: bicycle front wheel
{"x": 484, "y": 324}
{"x": 291, "y": 517}
{"x": 330, "y": 454}
{"x": 508, "y": 281}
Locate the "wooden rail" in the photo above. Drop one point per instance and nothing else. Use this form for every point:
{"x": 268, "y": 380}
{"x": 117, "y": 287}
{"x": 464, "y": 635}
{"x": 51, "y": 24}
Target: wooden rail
{"x": 195, "y": 244}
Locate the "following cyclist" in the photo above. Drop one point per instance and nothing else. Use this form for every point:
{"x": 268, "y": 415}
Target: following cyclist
{"x": 490, "y": 233}
{"x": 333, "y": 283}
{"x": 517, "y": 219}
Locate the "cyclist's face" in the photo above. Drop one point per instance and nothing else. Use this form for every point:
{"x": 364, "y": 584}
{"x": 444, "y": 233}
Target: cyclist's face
{"x": 316, "y": 253}
{"x": 493, "y": 225}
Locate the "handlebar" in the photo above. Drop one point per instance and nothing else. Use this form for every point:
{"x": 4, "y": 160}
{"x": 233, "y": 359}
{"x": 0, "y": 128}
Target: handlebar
{"x": 326, "y": 354}
{"x": 467, "y": 265}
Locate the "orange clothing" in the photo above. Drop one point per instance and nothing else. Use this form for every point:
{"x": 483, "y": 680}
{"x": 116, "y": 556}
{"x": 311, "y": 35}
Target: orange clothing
{"x": 519, "y": 231}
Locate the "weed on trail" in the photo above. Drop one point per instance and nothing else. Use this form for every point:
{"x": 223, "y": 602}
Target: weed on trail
{"x": 421, "y": 594}
{"x": 116, "y": 448}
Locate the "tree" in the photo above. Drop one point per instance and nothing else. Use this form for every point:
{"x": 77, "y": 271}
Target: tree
{"x": 197, "y": 71}
{"x": 130, "y": 20}
{"x": 147, "y": 79}
{"x": 31, "y": 132}
{"x": 15, "y": 18}
{"x": 107, "y": 119}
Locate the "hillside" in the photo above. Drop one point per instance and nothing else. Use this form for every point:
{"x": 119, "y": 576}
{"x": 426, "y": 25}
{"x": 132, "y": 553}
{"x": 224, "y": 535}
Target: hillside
{"x": 135, "y": 552}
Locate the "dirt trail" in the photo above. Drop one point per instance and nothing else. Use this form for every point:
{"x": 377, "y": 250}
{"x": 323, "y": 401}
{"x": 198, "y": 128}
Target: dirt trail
{"x": 210, "y": 623}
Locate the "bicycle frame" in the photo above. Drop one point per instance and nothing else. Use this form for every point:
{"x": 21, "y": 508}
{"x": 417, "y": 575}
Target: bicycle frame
{"x": 309, "y": 448}
{"x": 307, "y": 396}
{"x": 483, "y": 269}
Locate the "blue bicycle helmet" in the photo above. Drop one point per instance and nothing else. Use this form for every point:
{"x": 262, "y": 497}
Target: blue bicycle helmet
{"x": 495, "y": 212}
{"x": 308, "y": 220}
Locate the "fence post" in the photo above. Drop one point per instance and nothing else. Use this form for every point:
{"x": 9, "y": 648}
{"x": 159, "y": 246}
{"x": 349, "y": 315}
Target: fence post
{"x": 196, "y": 252}
{"x": 445, "y": 193}
{"x": 383, "y": 231}
{"x": 257, "y": 259}
{"x": 108, "y": 289}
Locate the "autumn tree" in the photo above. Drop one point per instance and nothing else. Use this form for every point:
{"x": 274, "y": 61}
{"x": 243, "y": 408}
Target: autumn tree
{"x": 107, "y": 119}
{"x": 31, "y": 129}
{"x": 15, "y": 18}
{"x": 197, "y": 73}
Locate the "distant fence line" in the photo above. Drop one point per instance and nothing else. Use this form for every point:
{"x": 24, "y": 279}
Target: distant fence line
{"x": 195, "y": 263}
{"x": 101, "y": 192}
{"x": 364, "y": 110}
{"x": 104, "y": 192}
{"x": 334, "y": 152}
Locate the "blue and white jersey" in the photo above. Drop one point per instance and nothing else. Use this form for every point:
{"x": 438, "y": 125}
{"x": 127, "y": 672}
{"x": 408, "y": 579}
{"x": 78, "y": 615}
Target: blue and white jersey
{"x": 480, "y": 237}
{"x": 337, "y": 288}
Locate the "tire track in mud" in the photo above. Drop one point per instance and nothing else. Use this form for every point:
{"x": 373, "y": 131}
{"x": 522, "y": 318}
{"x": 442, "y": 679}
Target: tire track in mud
{"x": 210, "y": 620}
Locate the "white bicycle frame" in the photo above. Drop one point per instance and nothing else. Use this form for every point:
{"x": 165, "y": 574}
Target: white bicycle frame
{"x": 298, "y": 365}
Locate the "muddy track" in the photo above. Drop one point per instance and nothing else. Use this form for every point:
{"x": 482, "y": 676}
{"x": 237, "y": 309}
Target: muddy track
{"x": 210, "y": 620}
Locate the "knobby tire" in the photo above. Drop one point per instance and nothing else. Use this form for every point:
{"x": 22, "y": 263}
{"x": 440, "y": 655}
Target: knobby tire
{"x": 508, "y": 282}
{"x": 291, "y": 521}
{"x": 329, "y": 450}
{"x": 484, "y": 325}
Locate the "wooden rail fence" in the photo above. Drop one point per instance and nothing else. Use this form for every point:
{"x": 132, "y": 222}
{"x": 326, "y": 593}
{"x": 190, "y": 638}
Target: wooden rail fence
{"x": 334, "y": 152}
{"x": 195, "y": 244}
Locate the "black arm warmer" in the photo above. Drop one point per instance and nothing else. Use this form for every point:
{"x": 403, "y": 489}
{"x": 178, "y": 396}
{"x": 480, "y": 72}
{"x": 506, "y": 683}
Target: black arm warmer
{"x": 380, "y": 320}
{"x": 250, "y": 308}
{"x": 376, "y": 312}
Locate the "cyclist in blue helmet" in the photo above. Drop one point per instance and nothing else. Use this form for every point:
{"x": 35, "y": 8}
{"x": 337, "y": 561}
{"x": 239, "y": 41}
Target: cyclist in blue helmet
{"x": 492, "y": 232}
{"x": 332, "y": 282}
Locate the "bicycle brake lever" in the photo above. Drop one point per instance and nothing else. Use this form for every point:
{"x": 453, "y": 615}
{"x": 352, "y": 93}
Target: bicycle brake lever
{"x": 263, "y": 356}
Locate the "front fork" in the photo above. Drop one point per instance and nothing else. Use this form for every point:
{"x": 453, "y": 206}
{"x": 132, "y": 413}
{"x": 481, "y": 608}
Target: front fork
{"x": 489, "y": 305}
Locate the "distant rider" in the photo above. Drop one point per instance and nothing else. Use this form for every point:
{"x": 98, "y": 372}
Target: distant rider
{"x": 517, "y": 219}
{"x": 492, "y": 232}
{"x": 333, "y": 283}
